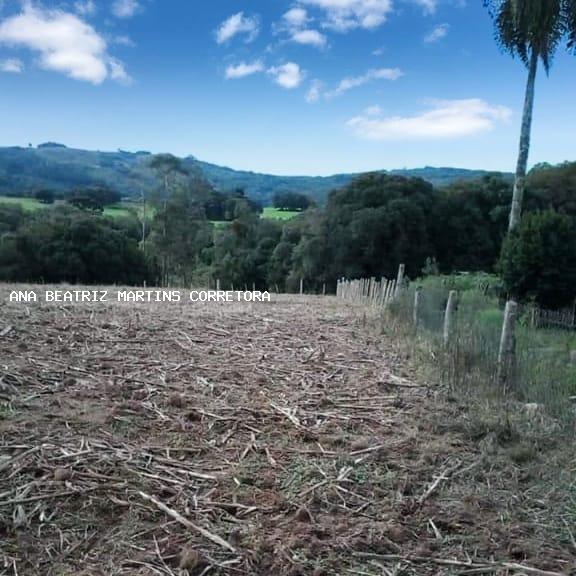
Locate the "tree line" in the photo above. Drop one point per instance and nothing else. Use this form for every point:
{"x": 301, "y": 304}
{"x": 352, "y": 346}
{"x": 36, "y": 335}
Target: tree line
{"x": 194, "y": 235}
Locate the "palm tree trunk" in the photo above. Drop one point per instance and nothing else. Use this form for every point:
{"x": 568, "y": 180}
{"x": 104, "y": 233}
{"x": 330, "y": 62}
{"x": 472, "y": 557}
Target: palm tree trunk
{"x": 507, "y": 351}
{"x": 520, "y": 177}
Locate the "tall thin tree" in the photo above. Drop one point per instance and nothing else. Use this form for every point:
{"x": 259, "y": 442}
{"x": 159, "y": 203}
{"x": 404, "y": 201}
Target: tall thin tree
{"x": 166, "y": 167}
{"x": 532, "y": 31}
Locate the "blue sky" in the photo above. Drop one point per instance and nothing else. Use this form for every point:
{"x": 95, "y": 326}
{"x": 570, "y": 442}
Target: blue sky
{"x": 286, "y": 87}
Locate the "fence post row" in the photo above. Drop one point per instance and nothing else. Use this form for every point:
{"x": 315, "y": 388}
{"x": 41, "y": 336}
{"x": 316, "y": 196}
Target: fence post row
{"x": 377, "y": 293}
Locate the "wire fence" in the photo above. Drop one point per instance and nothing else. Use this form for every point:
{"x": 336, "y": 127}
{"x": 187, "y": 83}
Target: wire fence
{"x": 461, "y": 340}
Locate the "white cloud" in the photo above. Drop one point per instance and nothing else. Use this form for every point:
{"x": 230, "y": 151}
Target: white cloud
{"x": 437, "y": 33}
{"x": 118, "y": 72}
{"x": 295, "y": 25}
{"x": 244, "y": 69}
{"x": 64, "y": 43}
{"x": 12, "y": 65}
{"x": 288, "y": 76}
{"x": 125, "y": 8}
{"x": 85, "y": 7}
{"x": 428, "y": 6}
{"x": 344, "y": 15}
{"x": 238, "y": 24}
{"x": 373, "y": 111}
{"x": 355, "y": 81}
{"x": 314, "y": 92}
{"x": 296, "y": 17}
{"x": 309, "y": 37}
{"x": 124, "y": 40}
{"x": 444, "y": 120}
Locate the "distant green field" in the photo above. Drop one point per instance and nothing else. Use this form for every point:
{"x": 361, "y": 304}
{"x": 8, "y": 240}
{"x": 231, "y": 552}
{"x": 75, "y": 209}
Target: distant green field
{"x": 120, "y": 210}
{"x": 275, "y": 214}
{"x": 30, "y": 204}
{"x": 125, "y": 209}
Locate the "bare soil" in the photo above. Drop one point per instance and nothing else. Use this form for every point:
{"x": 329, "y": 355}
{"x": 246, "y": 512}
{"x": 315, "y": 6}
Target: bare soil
{"x": 285, "y": 438}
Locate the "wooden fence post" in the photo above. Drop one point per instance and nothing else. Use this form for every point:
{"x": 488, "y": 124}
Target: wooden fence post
{"x": 399, "y": 280}
{"x": 416, "y": 311}
{"x": 449, "y": 316}
{"x": 507, "y": 351}
{"x": 391, "y": 291}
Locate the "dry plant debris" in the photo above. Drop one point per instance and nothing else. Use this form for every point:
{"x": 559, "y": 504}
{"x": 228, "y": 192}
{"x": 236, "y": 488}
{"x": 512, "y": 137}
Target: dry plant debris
{"x": 244, "y": 439}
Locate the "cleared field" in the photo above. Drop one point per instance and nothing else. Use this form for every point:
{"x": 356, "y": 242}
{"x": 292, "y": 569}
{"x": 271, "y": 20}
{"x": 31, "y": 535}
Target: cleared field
{"x": 275, "y": 214}
{"x": 241, "y": 439}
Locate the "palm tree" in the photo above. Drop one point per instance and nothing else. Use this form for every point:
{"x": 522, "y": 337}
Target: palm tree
{"x": 531, "y": 30}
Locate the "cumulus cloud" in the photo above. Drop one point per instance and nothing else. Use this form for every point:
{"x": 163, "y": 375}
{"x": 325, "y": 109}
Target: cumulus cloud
{"x": 295, "y": 24}
{"x": 437, "y": 33}
{"x": 125, "y": 8}
{"x": 288, "y": 76}
{"x": 243, "y": 69}
{"x": 64, "y": 43}
{"x": 12, "y": 65}
{"x": 356, "y": 81}
{"x": 445, "y": 119}
{"x": 296, "y": 17}
{"x": 238, "y": 24}
{"x": 345, "y": 15}
{"x": 309, "y": 37}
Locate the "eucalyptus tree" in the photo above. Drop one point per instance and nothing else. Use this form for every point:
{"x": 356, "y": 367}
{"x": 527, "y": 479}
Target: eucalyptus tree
{"x": 166, "y": 167}
{"x": 531, "y": 30}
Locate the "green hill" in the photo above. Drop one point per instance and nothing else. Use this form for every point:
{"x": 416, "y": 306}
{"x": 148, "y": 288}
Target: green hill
{"x": 23, "y": 171}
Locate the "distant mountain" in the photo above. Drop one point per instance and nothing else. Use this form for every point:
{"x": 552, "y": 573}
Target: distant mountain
{"x": 23, "y": 171}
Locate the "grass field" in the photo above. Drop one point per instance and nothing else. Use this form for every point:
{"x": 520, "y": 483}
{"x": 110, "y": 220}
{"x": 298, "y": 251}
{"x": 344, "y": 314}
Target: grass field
{"x": 125, "y": 209}
{"x": 122, "y": 210}
{"x": 275, "y": 214}
{"x": 31, "y": 205}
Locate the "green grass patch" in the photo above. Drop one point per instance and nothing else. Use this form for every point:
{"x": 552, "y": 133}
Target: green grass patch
{"x": 219, "y": 223}
{"x": 121, "y": 210}
{"x": 29, "y": 204}
{"x": 275, "y": 214}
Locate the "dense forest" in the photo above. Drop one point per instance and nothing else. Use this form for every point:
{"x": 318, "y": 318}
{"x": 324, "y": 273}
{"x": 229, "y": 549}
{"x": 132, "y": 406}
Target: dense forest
{"x": 365, "y": 229}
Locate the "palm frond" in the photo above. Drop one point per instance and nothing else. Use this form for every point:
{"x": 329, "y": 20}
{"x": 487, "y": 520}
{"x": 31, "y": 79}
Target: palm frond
{"x": 523, "y": 27}
{"x": 569, "y": 18}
